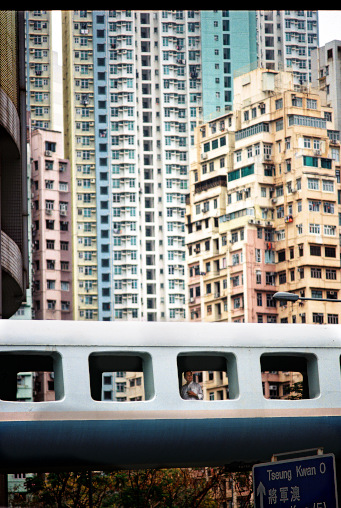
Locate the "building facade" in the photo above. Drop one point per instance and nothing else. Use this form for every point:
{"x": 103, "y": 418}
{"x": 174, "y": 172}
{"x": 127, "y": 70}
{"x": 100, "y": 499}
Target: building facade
{"x": 228, "y": 44}
{"x": 51, "y": 227}
{"x": 326, "y": 75}
{"x": 285, "y": 41}
{"x": 278, "y": 229}
{"x": 132, "y": 89}
{"x": 43, "y": 73}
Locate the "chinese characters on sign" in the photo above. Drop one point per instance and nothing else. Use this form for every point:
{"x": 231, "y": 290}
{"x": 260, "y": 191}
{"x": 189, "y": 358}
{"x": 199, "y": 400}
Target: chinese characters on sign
{"x": 307, "y": 482}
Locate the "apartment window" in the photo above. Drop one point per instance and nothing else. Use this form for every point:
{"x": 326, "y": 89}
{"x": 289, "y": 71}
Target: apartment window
{"x": 281, "y": 255}
{"x": 51, "y": 304}
{"x": 282, "y": 277}
{"x": 280, "y": 212}
{"x": 237, "y": 302}
{"x": 316, "y": 293}
{"x": 315, "y": 250}
{"x": 280, "y": 235}
{"x": 307, "y": 142}
{"x": 234, "y": 236}
{"x": 313, "y": 184}
{"x": 329, "y": 230}
{"x": 65, "y": 286}
{"x": 330, "y": 273}
{"x": 297, "y": 101}
{"x": 330, "y": 252}
{"x": 65, "y": 306}
{"x": 235, "y": 259}
{"x": 49, "y": 224}
{"x": 310, "y": 161}
{"x": 315, "y": 229}
{"x": 333, "y": 319}
{"x": 311, "y": 104}
{"x": 50, "y": 264}
{"x": 314, "y": 206}
{"x": 270, "y": 302}
{"x": 328, "y": 185}
{"x": 315, "y": 272}
{"x": 270, "y": 278}
{"x": 50, "y": 244}
{"x": 318, "y": 318}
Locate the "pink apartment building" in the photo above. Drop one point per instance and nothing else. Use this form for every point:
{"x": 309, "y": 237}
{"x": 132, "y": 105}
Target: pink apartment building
{"x": 51, "y": 227}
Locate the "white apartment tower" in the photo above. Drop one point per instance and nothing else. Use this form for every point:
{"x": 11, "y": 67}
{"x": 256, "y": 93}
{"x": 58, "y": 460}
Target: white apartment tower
{"x": 132, "y": 99}
{"x": 285, "y": 40}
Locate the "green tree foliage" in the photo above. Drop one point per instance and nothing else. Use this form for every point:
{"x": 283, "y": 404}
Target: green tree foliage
{"x": 151, "y": 488}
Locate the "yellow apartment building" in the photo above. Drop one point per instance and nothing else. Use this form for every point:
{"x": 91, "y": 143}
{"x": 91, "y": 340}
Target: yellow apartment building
{"x": 263, "y": 208}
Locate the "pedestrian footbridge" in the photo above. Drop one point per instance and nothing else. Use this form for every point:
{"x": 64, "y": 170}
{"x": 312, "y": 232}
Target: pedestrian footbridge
{"x": 78, "y": 430}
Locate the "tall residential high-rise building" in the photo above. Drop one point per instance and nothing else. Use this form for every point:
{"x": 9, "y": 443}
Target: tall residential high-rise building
{"x": 326, "y": 75}
{"x": 132, "y": 92}
{"x": 228, "y": 45}
{"x": 43, "y": 73}
{"x": 285, "y": 41}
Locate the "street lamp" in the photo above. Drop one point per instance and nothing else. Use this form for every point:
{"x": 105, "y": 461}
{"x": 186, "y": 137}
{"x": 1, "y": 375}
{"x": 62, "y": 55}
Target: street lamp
{"x": 283, "y": 296}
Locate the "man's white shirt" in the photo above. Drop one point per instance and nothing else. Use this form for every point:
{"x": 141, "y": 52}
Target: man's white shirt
{"x": 192, "y": 387}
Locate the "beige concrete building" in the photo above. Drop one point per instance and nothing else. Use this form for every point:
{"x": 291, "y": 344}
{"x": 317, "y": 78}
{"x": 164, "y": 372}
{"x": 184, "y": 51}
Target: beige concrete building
{"x": 263, "y": 208}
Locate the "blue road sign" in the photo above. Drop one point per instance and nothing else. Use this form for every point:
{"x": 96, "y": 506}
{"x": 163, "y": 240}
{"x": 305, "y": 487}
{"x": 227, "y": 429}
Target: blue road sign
{"x": 307, "y": 482}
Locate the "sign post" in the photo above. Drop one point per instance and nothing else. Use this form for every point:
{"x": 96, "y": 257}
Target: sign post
{"x": 307, "y": 482}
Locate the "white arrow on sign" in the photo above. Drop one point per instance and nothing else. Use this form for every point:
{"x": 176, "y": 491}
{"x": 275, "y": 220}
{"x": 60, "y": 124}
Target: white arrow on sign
{"x": 261, "y": 492}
